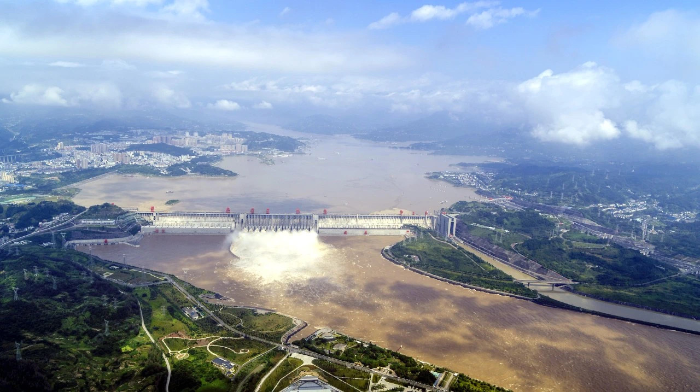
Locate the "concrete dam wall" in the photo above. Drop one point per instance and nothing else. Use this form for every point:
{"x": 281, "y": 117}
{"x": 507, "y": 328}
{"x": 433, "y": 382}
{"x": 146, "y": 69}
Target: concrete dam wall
{"x": 323, "y": 224}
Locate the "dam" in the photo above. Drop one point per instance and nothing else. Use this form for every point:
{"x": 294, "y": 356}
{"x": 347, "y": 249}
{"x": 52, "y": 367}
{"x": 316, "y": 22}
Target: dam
{"x": 324, "y": 224}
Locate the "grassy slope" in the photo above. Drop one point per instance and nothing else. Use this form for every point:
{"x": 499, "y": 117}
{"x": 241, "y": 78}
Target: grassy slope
{"x": 457, "y": 264}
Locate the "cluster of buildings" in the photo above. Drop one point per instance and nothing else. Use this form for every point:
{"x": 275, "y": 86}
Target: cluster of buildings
{"x": 7, "y": 177}
{"x": 106, "y": 155}
{"x": 472, "y": 179}
{"x": 225, "y": 143}
{"x": 627, "y": 210}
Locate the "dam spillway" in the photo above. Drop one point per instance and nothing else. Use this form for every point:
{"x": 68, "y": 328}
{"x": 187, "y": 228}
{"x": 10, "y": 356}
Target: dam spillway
{"x": 323, "y": 224}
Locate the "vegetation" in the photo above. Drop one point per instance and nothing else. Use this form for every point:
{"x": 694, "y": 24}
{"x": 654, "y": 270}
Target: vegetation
{"x": 271, "y": 326}
{"x": 605, "y": 271}
{"x": 250, "y": 375}
{"x": 31, "y": 214}
{"x": 172, "y": 202}
{"x": 611, "y": 266}
{"x": 62, "y": 330}
{"x": 373, "y": 356}
{"x": 463, "y": 383}
{"x": 682, "y": 238}
{"x": 674, "y": 186}
{"x": 529, "y": 223}
{"x": 103, "y": 211}
{"x": 617, "y": 274}
{"x": 201, "y": 166}
{"x": 261, "y": 140}
{"x": 280, "y": 372}
{"x": 455, "y": 263}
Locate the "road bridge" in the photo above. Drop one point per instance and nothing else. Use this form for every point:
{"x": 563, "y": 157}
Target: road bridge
{"x": 324, "y": 224}
{"x": 551, "y": 283}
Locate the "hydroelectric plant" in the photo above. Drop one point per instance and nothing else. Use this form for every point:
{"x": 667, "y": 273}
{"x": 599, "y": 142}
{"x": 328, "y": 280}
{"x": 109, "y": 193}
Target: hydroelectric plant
{"x": 324, "y": 224}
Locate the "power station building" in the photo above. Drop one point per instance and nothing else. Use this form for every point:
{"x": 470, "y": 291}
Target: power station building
{"x": 446, "y": 225}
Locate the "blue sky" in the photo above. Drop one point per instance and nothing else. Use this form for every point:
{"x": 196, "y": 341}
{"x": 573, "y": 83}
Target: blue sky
{"x": 569, "y": 72}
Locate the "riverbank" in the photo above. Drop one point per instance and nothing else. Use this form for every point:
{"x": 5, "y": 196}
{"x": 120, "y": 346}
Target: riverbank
{"x": 571, "y": 301}
{"x": 386, "y": 253}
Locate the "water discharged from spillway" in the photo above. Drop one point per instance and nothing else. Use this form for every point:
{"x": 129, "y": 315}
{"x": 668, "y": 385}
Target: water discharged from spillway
{"x": 279, "y": 257}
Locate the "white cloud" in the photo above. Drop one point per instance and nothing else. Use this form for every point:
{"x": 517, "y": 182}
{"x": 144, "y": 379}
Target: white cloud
{"x": 591, "y": 103}
{"x": 225, "y": 104}
{"x": 97, "y": 94}
{"x": 390, "y": 20}
{"x": 494, "y": 16}
{"x": 669, "y": 39}
{"x": 170, "y": 97}
{"x": 179, "y": 43}
{"x": 34, "y": 94}
{"x": 285, "y": 11}
{"x": 88, "y": 3}
{"x": 66, "y": 64}
{"x": 428, "y": 12}
{"x": 117, "y": 65}
{"x": 187, "y": 9}
{"x": 166, "y": 74}
{"x": 667, "y": 115}
{"x": 491, "y": 15}
{"x": 275, "y": 86}
{"x": 262, "y": 105}
{"x": 100, "y": 94}
{"x": 570, "y": 107}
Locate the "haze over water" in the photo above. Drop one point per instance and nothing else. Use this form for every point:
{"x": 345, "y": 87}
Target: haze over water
{"x": 345, "y": 284}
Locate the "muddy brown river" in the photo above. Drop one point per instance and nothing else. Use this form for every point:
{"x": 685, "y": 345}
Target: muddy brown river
{"x": 512, "y": 343}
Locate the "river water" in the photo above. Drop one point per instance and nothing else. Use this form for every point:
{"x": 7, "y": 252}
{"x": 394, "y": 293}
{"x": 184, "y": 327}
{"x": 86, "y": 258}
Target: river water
{"x": 344, "y": 283}
{"x": 339, "y": 173}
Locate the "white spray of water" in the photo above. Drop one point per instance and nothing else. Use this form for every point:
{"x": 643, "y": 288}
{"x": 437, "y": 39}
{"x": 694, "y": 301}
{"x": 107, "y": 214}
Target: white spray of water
{"x": 282, "y": 256}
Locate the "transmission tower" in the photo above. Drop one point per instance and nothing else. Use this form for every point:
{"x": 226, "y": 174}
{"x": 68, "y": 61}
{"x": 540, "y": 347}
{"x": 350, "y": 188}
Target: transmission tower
{"x": 16, "y": 297}
{"x": 36, "y": 271}
{"x": 106, "y": 327}
{"x": 104, "y": 300}
{"x": 53, "y": 239}
{"x": 26, "y": 276}
{"x": 114, "y": 303}
{"x": 53, "y": 278}
{"x": 18, "y": 352}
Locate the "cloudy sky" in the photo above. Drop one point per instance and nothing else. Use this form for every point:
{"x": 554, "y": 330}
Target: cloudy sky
{"x": 578, "y": 74}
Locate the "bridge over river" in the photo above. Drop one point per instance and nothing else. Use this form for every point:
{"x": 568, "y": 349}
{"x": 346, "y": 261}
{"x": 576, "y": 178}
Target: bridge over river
{"x": 323, "y": 224}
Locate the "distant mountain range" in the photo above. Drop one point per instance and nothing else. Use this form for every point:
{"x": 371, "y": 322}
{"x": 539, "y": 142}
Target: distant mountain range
{"x": 324, "y": 125}
{"x": 435, "y": 127}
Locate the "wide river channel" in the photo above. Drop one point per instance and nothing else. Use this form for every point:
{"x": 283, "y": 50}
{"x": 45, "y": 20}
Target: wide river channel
{"x": 345, "y": 284}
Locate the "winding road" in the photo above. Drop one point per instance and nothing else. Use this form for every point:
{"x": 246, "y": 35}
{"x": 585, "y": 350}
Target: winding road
{"x": 167, "y": 363}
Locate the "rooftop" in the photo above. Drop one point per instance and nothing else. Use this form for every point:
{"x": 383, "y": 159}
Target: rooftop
{"x": 310, "y": 383}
